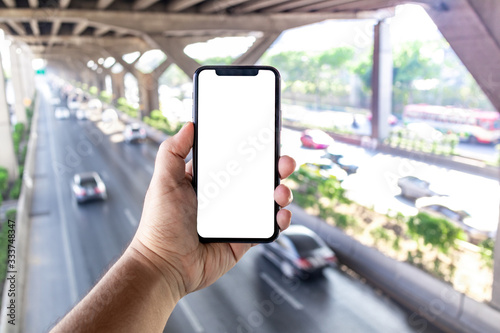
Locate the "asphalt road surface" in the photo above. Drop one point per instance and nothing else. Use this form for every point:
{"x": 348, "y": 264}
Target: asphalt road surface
{"x": 71, "y": 246}
{"x": 375, "y": 182}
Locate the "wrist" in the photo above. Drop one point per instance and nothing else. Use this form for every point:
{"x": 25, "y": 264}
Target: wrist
{"x": 158, "y": 268}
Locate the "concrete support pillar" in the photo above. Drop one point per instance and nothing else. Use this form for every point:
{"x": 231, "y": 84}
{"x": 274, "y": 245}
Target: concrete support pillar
{"x": 28, "y": 74}
{"x": 18, "y": 83}
{"x": 118, "y": 85}
{"x": 495, "y": 294}
{"x": 174, "y": 49}
{"x": 381, "y": 81}
{"x": 148, "y": 93}
{"x": 8, "y": 158}
{"x": 256, "y": 51}
{"x": 101, "y": 83}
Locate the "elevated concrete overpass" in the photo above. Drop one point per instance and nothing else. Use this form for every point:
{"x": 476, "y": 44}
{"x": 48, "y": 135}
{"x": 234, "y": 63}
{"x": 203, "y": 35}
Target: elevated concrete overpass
{"x": 69, "y": 33}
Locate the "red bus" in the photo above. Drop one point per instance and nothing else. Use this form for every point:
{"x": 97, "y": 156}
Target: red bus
{"x": 471, "y": 125}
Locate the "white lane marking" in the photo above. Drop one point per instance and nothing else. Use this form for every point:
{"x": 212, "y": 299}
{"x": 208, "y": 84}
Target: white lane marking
{"x": 68, "y": 256}
{"x": 130, "y": 217}
{"x": 193, "y": 320}
{"x": 289, "y": 298}
{"x": 149, "y": 168}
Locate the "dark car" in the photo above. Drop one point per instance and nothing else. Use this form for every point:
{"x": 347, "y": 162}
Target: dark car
{"x": 299, "y": 252}
{"x": 328, "y": 169}
{"x": 414, "y": 188}
{"x": 348, "y": 164}
{"x": 477, "y": 229}
{"x": 88, "y": 186}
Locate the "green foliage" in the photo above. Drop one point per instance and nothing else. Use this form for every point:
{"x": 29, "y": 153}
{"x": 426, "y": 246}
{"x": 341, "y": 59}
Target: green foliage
{"x": 320, "y": 74}
{"x": 395, "y": 244}
{"x": 437, "y": 232}
{"x": 29, "y": 113}
{"x": 380, "y": 233}
{"x": 93, "y": 91}
{"x": 403, "y": 137}
{"x": 313, "y": 187}
{"x": 159, "y": 121}
{"x": 16, "y": 189}
{"x": 1, "y": 199}
{"x": 4, "y": 179}
{"x": 363, "y": 70}
{"x": 11, "y": 214}
{"x": 17, "y": 136}
{"x": 126, "y": 107}
{"x": 21, "y": 171}
{"x": 105, "y": 96}
{"x": 22, "y": 158}
{"x": 174, "y": 77}
{"x": 344, "y": 221}
{"x": 4, "y": 237}
{"x": 486, "y": 249}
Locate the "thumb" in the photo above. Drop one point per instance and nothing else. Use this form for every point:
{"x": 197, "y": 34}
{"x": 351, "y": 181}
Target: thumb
{"x": 170, "y": 159}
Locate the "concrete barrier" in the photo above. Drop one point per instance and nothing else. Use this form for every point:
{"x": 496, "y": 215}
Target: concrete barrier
{"x": 434, "y": 300}
{"x": 22, "y": 233}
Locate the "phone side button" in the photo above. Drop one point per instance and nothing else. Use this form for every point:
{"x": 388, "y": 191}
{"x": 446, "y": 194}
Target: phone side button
{"x": 280, "y": 120}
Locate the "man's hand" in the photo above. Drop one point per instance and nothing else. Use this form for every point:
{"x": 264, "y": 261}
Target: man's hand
{"x": 167, "y": 233}
{"x": 165, "y": 259}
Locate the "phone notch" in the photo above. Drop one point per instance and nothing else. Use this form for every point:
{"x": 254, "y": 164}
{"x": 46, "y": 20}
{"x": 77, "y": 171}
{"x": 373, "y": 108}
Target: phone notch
{"x": 237, "y": 71}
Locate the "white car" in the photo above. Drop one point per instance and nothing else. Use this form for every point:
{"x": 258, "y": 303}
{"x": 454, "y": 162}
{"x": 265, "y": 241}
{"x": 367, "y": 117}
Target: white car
{"x": 61, "y": 113}
{"x": 73, "y": 104}
{"x": 109, "y": 115}
{"x": 81, "y": 114}
{"x": 94, "y": 105}
{"x": 88, "y": 186}
{"x": 55, "y": 101}
{"x": 134, "y": 132}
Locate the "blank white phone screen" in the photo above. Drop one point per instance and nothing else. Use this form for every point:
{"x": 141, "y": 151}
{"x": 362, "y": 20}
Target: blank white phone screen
{"x": 236, "y": 152}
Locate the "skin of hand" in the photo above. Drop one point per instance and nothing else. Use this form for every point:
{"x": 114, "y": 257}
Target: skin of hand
{"x": 165, "y": 260}
{"x": 167, "y": 233}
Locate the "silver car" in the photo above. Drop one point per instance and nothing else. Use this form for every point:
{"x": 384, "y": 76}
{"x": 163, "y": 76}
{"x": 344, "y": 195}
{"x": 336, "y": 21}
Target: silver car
{"x": 414, "y": 188}
{"x": 134, "y": 132}
{"x": 299, "y": 252}
{"x": 88, "y": 186}
{"x": 61, "y": 112}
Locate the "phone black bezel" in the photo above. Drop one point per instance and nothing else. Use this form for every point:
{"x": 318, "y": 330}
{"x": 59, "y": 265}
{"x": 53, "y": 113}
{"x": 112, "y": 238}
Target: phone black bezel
{"x": 245, "y": 70}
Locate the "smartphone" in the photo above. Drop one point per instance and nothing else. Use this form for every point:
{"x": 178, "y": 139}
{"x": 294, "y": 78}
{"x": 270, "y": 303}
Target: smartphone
{"x": 237, "y": 122}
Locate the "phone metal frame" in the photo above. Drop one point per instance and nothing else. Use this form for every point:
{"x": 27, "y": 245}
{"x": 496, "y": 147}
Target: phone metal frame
{"x": 240, "y": 71}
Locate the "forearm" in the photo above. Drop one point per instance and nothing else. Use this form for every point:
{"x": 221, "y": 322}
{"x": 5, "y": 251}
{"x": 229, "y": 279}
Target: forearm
{"x": 133, "y": 296}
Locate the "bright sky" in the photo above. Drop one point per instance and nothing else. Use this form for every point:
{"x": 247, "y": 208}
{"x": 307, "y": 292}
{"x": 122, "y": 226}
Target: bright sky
{"x": 220, "y": 47}
{"x": 411, "y": 22}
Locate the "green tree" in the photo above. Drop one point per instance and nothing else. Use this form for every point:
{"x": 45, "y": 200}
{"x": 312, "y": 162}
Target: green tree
{"x": 410, "y": 64}
{"x": 174, "y": 77}
{"x": 319, "y": 74}
{"x": 437, "y": 232}
{"x": 4, "y": 179}
{"x": 364, "y": 71}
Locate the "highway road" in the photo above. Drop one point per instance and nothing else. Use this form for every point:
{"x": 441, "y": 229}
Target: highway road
{"x": 375, "y": 182}
{"x": 71, "y": 246}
